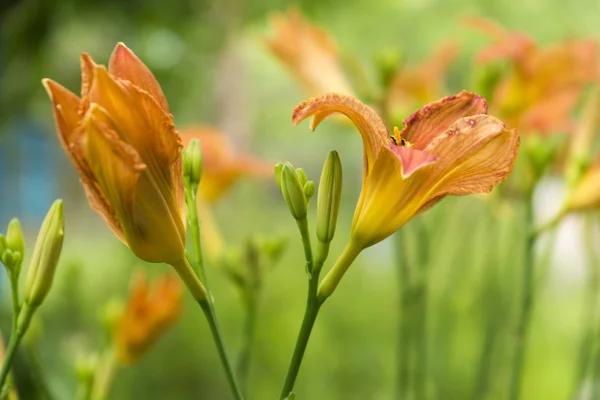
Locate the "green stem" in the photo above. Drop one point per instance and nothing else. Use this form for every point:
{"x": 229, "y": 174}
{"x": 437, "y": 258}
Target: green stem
{"x": 404, "y": 331}
{"x": 206, "y": 301}
{"x": 211, "y": 317}
{"x": 526, "y": 303}
{"x": 14, "y": 288}
{"x": 20, "y": 327}
{"x": 243, "y": 364}
{"x": 104, "y": 375}
{"x": 304, "y": 233}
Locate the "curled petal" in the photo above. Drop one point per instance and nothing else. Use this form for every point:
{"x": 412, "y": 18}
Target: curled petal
{"x": 369, "y": 124}
{"x": 476, "y": 153}
{"x": 124, "y": 64}
{"x": 87, "y": 77}
{"x": 434, "y": 119}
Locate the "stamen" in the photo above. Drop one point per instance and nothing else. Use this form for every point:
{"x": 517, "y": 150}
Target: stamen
{"x": 398, "y": 140}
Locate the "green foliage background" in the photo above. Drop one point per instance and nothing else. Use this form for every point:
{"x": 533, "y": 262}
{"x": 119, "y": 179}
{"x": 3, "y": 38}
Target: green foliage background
{"x": 214, "y": 69}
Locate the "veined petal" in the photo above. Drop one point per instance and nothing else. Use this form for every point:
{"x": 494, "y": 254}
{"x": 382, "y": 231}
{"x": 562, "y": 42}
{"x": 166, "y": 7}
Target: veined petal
{"x": 151, "y": 226}
{"x": 476, "y": 154}
{"x": 65, "y": 109}
{"x": 124, "y": 64}
{"x": 434, "y": 119}
{"x": 411, "y": 159}
{"x": 139, "y": 119}
{"x": 369, "y": 124}
{"x": 388, "y": 199}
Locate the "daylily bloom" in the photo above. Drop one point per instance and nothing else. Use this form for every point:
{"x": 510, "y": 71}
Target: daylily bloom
{"x": 544, "y": 85}
{"x": 222, "y": 167}
{"x": 309, "y": 53}
{"x": 413, "y": 86}
{"x": 122, "y": 141}
{"x": 149, "y": 312}
{"x": 450, "y": 147}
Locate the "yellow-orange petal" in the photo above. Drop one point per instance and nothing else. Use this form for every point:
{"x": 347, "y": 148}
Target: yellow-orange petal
{"x": 388, "y": 200}
{"x": 87, "y": 65}
{"x": 369, "y": 124}
{"x": 475, "y": 154}
{"x": 65, "y": 109}
{"x": 435, "y": 118}
{"x": 124, "y": 64}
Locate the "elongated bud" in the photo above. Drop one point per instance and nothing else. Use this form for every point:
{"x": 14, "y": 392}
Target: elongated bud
{"x": 328, "y": 198}
{"x": 293, "y": 192}
{"x": 16, "y": 244}
{"x": 45, "y": 255}
{"x": 278, "y": 169}
{"x": 192, "y": 162}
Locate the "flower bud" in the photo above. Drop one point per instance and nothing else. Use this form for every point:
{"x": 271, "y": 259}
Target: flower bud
{"x": 16, "y": 245}
{"x": 328, "y": 198}
{"x": 309, "y": 190}
{"x": 302, "y": 176}
{"x": 3, "y": 245}
{"x": 293, "y": 192}
{"x": 278, "y": 168}
{"x": 192, "y": 162}
{"x": 45, "y": 255}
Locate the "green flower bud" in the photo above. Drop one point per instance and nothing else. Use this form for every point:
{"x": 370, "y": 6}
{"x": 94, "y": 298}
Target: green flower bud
{"x": 3, "y": 245}
{"x": 8, "y": 259}
{"x": 192, "y": 162}
{"x": 302, "y": 176}
{"x": 328, "y": 198}
{"x": 278, "y": 168}
{"x": 292, "y": 191}
{"x": 16, "y": 244}
{"x": 309, "y": 190}
{"x": 45, "y": 255}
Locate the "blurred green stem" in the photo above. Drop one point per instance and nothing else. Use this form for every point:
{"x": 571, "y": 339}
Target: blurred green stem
{"x": 104, "y": 375}
{"x": 243, "y": 364}
{"x": 403, "y": 387}
{"x": 590, "y": 315}
{"x": 305, "y": 234}
{"x": 526, "y": 301}
{"x": 20, "y": 325}
{"x": 206, "y": 303}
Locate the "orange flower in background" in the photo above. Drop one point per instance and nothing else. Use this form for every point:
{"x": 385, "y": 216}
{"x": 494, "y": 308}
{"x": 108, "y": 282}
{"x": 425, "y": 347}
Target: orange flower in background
{"x": 586, "y": 193}
{"x": 122, "y": 141}
{"x": 414, "y": 86}
{"x": 544, "y": 85}
{"x": 222, "y": 167}
{"x": 149, "y": 312}
{"x": 450, "y": 147}
{"x": 309, "y": 53}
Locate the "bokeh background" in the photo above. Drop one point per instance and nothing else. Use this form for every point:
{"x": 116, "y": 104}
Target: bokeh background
{"x": 211, "y": 61}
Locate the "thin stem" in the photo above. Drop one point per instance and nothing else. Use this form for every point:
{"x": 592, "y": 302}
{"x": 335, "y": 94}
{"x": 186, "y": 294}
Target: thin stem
{"x": 209, "y": 312}
{"x": 526, "y": 303}
{"x": 104, "y": 376}
{"x": 206, "y": 302}
{"x": 14, "y": 288}
{"x": 304, "y": 233}
{"x": 20, "y": 327}
{"x": 243, "y": 364}
{"x": 404, "y": 331}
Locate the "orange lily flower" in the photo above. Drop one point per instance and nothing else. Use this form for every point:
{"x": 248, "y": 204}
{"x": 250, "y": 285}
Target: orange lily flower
{"x": 122, "y": 141}
{"x": 149, "y": 312}
{"x": 450, "y": 147}
{"x": 544, "y": 85}
{"x": 221, "y": 166}
{"x": 309, "y": 53}
{"x": 414, "y": 86}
